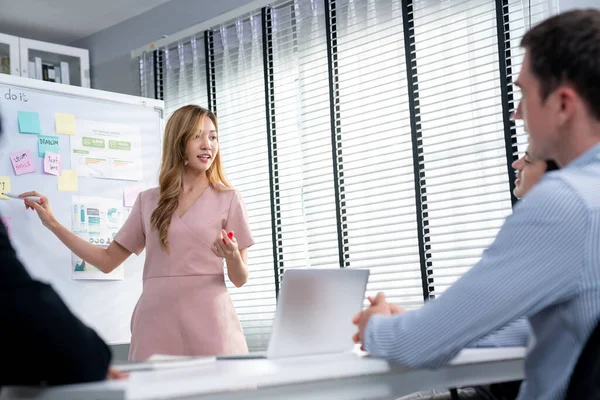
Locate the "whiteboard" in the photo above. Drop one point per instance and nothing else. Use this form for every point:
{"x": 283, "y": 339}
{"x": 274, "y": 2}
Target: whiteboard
{"x": 106, "y": 306}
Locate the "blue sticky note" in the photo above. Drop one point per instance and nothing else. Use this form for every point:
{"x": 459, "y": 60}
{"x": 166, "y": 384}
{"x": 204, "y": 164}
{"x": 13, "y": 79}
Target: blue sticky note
{"x": 47, "y": 143}
{"x": 29, "y": 122}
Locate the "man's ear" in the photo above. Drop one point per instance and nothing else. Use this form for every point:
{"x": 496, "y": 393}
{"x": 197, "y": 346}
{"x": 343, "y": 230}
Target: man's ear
{"x": 567, "y": 101}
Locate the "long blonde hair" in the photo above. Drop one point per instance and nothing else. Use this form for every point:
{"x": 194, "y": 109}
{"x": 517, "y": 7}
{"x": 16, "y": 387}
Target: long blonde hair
{"x": 181, "y": 127}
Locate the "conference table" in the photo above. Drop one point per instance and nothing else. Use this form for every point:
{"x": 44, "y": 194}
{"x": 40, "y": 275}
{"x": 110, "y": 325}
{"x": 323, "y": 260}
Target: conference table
{"x": 346, "y": 376}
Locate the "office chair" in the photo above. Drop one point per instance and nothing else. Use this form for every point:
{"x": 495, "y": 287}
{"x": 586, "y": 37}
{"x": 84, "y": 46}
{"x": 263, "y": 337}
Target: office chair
{"x": 585, "y": 379}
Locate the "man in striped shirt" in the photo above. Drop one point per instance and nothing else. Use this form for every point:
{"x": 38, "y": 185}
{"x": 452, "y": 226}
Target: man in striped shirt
{"x": 545, "y": 261}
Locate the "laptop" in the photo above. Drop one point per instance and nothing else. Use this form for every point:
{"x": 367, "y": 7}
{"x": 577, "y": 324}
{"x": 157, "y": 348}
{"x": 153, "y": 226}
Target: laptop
{"x": 314, "y": 313}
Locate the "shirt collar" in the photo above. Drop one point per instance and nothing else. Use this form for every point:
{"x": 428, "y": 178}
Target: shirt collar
{"x": 587, "y": 157}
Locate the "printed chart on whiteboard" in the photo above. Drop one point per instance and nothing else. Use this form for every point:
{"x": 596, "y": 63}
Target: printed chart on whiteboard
{"x": 107, "y": 150}
{"x": 96, "y": 220}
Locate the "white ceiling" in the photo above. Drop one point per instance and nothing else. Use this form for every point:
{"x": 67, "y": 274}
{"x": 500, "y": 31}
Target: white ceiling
{"x": 65, "y": 21}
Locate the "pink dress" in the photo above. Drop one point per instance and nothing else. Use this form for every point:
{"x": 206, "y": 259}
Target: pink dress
{"x": 185, "y": 308}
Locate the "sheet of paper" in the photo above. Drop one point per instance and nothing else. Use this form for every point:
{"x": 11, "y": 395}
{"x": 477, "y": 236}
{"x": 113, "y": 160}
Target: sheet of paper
{"x": 96, "y": 220}
{"x": 22, "y": 162}
{"x": 8, "y": 225}
{"x": 130, "y": 194}
{"x": 67, "y": 181}
{"x": 106, "y": 150}
{"x": 159, "y": 361}
{"x": 65, "y": 124}
{"x": 4, "y": 186}
{"x": 47, "y": 143}
{"x": 52, "y": 164}
{"x": 29, "y": 122}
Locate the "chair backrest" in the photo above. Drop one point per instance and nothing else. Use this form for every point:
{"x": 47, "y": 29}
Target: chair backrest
{"x": 585, "y": 379}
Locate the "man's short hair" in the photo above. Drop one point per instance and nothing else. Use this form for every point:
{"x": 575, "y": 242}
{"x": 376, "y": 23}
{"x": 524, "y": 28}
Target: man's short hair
{"x": 551, "y": 166}
{"x": 566, "y": 49}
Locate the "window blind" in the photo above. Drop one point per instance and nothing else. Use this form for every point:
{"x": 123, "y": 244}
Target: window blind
{"x": 464, "y": 162}
{"x": 239, "y": 96}
{"x": 147, "y": 78}
{"x": 362, "y": 134}
{"x": 304, "y": 162}
{"x": 185, "y": 77}
{"x": 376, "y": 148}
{"x": 463, "y": 152}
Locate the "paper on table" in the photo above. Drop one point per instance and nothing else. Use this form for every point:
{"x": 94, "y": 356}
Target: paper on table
{"x": 65, "y": 124}
{"x": 67, "y": 181}
{"x": 159, "y": 361}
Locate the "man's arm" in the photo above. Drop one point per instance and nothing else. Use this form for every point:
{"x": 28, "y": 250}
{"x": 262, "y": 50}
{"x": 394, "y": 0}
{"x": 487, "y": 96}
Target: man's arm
{"x": 42, "y": 342}
{"x": 515, "y": 334}
{"x": 543, "y": 242}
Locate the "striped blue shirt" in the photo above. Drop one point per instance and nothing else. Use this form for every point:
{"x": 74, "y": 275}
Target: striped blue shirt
{"x": 514, "y": 334}
{"x": 544, "y": 265}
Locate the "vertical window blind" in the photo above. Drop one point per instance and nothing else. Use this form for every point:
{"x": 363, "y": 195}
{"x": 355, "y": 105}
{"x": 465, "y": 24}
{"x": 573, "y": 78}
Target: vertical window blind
{"x": 361, "y": 134}
{"x": 376, "y": 151}
{"x": 304, "y": 164}
{"x": 146, "y": 75}
{"x": 185, "y": 64}
{"x": 465, "y": 157}
{"x": 467, "y": 194}
{"x": 239, "y": 98}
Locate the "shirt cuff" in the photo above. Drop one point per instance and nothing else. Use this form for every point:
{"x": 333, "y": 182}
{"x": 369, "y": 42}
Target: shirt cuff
{"x": 375, "y": 327}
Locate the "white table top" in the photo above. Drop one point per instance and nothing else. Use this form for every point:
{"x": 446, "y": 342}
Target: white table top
{"x": 344, "y": 376}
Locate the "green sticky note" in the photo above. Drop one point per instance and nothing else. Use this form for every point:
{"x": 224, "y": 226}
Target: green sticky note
{"x": 29, "y": 122}
{"x": 47, "y": 143}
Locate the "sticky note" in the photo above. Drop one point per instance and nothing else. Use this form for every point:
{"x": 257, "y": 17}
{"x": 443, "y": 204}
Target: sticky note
{"x": 4, "y": 186}
{"x": 67, "y": 181}
{"x": 47, "y": 143}
{"x": 52, "y": 164}
{"x": 29, "y": 122}
{"x": 22, "y": 162}
{"x": 65, "y": 124}
{"x": 130, "y": 194}
{"x": 8, "y": 225}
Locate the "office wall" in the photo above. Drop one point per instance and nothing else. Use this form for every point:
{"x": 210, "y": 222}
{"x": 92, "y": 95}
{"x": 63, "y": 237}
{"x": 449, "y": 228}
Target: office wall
{"x": 110, "y": 62}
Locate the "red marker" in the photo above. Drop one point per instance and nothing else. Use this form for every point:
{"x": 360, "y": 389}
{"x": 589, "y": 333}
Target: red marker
{"x": 230, "y": 236}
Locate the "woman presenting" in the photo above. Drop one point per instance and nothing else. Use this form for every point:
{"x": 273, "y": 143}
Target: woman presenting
{"x": 184, "y": 308}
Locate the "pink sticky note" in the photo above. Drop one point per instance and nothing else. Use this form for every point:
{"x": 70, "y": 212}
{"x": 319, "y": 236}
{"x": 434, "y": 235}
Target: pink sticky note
{"x": 52, "y": 164}
{"x": 8, "y": 225}
{"x": 130, "y": 194}
{"x": 22, "y": 162}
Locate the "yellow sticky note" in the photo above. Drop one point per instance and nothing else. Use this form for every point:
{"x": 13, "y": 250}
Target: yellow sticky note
{"x": 65, "y": 124}
{"x": 4, "y": 186}
{"x": 67, "y": 182}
